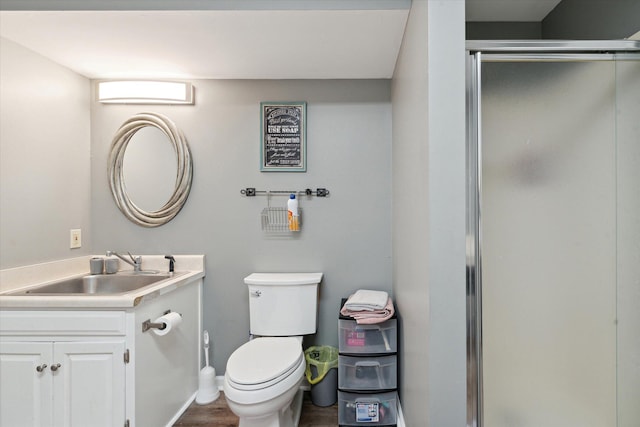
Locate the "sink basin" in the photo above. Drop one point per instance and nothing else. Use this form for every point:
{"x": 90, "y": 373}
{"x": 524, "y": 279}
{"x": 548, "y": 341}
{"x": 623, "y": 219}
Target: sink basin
{"x": 99, "y": 284}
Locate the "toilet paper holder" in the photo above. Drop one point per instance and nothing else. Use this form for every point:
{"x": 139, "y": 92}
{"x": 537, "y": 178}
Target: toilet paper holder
{"x": 148, "y": 324}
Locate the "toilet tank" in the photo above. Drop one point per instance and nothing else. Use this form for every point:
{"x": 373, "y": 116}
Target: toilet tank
{"x": 283, "y": 304}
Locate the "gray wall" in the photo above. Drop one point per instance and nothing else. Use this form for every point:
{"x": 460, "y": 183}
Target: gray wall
{"x": 592, "y": 20}
{"x": 347, "y": 235}
{"x": 447, "y": 214}
{"x": 569, "y": 20}
{"x": 410, "y": 214}
{"x": 429, "y": 213}
{"x": 503, "y": 30}
{"x": 44, "y": 158}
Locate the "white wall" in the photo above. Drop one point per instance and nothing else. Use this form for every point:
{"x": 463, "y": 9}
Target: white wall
{"x": 44, "y": 158}
{"x": 429, "y": 213}
{"x": 347, "y": 235}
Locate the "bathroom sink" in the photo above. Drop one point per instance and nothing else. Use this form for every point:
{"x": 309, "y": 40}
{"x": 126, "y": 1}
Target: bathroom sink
{"x": 99, "y": 284}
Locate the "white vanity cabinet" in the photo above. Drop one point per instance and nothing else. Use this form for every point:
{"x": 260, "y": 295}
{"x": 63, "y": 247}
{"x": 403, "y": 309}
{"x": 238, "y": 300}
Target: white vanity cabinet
{"x": 91, "y": 360}
{"x": 26, "y": 391}
{"x": 100, "y": 367}
{"x": 62, "y": 368}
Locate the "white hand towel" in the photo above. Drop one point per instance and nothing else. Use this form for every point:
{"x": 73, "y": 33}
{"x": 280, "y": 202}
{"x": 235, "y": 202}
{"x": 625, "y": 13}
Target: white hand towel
{"x": 366, "y": 300}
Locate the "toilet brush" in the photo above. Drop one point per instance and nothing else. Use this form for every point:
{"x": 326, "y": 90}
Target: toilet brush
{"x": 207, "y": 390}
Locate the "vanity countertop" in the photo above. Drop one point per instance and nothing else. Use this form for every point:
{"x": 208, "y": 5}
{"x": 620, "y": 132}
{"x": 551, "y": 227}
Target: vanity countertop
{"x": 191, "y": 268}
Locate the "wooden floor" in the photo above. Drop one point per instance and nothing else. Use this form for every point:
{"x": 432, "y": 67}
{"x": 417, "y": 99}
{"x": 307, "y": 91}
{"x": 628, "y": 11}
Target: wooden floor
{"x": 217, "y": 414}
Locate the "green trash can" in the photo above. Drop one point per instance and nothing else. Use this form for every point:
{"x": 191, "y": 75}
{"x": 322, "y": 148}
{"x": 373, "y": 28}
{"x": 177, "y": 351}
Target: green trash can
{"x": 322, "y": 374}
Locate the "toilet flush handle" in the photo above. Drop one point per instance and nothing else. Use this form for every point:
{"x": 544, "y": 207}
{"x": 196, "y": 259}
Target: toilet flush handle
{"x": 256, "y": 293}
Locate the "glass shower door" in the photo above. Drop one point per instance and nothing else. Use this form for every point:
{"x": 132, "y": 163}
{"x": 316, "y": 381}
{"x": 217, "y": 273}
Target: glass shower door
{"x": 628, "y": 238}
{"x": 549, "y": 244}
{"x": 555, "y": 261}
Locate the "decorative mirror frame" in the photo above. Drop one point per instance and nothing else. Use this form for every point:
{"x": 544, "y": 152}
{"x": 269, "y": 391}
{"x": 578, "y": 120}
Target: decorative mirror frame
{"x": 184, "y": 173}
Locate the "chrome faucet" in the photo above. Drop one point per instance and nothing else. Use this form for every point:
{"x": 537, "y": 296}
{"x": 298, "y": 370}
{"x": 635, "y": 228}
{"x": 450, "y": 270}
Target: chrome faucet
{"x": 136, "y": 262}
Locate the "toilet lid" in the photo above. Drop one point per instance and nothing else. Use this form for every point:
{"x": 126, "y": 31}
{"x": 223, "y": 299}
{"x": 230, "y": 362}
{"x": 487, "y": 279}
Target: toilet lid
{"x": 263, "y": 360}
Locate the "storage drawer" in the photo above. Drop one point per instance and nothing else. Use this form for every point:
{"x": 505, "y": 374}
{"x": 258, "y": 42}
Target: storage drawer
{"x": 379, "y": 409}
{"x": 378, "y": 338}
{"x": 367, "y": 373}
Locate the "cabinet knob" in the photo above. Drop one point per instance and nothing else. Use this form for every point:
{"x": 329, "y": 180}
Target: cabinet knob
{"x": 41, "y": 367}
{"x": 55, "y": 367}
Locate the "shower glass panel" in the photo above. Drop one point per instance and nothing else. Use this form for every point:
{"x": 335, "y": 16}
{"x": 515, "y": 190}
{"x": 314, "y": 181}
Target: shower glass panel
{"x": 549, "y": 244}
{"x": 554, "y": 238}
{"x": 628, "y": 236}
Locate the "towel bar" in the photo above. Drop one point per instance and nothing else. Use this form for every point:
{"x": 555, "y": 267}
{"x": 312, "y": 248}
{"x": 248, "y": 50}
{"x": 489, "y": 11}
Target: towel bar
{"x": 251, "y": 192}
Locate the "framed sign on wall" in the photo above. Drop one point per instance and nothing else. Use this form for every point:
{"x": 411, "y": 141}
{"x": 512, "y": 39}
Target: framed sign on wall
{"x": 283, "y": 145}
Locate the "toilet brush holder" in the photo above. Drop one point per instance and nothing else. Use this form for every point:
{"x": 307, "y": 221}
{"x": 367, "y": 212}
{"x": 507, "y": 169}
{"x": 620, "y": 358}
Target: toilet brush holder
{"x": 207, "y": 389}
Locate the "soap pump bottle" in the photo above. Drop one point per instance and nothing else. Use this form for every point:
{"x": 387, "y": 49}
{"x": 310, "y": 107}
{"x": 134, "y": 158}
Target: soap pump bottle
{"x": 293, "y": 213}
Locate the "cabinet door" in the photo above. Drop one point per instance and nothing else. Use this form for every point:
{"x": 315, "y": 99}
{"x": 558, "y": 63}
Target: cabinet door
{"x": 89, "y": 384}
{"x": 26, "y": 384}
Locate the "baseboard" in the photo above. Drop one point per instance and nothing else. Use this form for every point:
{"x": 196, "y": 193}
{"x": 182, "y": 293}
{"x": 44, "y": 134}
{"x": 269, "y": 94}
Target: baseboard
{"x": 400, "y": 420}
{"x": 183, "y": 409}
{"x": 220, "y": 382}
{"x": 305, "y": 386}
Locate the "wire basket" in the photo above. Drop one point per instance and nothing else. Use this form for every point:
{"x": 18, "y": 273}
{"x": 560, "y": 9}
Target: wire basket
{"x": 276, "y": 220}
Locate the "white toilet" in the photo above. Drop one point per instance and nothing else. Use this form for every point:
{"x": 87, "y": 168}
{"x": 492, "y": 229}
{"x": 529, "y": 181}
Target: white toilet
{"x": 263, "y": 376}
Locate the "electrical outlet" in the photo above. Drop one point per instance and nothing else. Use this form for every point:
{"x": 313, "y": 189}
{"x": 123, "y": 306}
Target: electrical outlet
{"x": 76, "y": 239}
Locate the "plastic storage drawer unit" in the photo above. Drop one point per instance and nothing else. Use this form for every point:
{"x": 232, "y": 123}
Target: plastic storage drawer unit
{"x": 377, "y": 409}
{"x": 379, "y": 338}
{"x": 368, "y": 373}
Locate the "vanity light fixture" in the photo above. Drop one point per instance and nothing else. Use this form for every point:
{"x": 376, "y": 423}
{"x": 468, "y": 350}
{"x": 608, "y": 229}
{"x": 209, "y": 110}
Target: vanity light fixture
{"x": 145, "y": 92}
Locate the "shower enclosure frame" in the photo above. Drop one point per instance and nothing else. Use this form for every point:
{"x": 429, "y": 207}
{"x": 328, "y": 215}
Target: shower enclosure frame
{"x": 491, "y": 51}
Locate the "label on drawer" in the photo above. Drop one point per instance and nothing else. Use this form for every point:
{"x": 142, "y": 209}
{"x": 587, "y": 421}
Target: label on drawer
{"x": 356, "y": 339}
{"x": 367, "y": 413}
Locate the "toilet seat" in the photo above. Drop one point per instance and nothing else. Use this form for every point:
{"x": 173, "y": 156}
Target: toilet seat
{"x": 263, "y": 362}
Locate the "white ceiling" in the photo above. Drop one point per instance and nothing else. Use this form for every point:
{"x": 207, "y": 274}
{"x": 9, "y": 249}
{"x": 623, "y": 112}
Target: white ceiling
{"x": 247, "y": 44}
{"x": 242, "y": 44}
